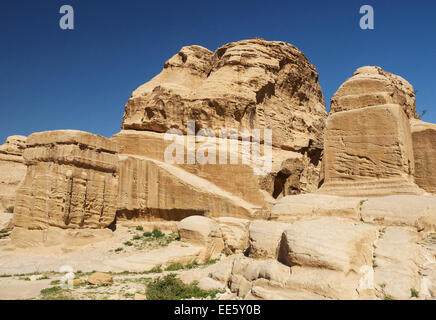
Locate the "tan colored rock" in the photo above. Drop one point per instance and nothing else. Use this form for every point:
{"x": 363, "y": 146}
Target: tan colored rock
{"x": 71, "y": 181}
{"x": 306, "y": 206}
{"x": 265, "y": 237}
{"x": 424, "y": 140}
{"x": 154, "y": 189}
{"x": 373, "y": 86}
{"x": 368, "y": 152}
{"x": 246, "y": 84}
{"x": 77, "y": 282}
{"x": 202, "y": 231}
{"x": 139, "y": 296}
{"x": 235, "y": 233}
{"x": 100, "y": 278}
{"x": 12, "y": 169}
{"x": 401, "y": 210}
{"x": 397, "y": 260}
{"x": 328, "y": 243}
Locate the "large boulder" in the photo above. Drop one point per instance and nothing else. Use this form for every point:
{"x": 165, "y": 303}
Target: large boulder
{"x": 71, "y": 181}
{"x": 265, "y": 238}
{"x": 424, "y": 140}
{"x": 328, "y": 243}
{"x": 12, "y": 169}
{"x": 368, "y": 141}
{"x": 204, "y": 232}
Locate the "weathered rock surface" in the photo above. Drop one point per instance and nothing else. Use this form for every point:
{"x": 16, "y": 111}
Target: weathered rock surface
{"x": 202, "y": 231}
{"x": 306, "y": 206}
{"x": 156, "y": 190}
{"x": 71, "y": 181}
{"x": 401, "y": 210}
{"x": 12, "y": 169}
{"x": 397, "y": 260}
{"x": 328, "y": 243}
{"x": 424, "y": 141}
{"x": 368, "y": 140}
{"x": 368, "y": 152}
{"x": 235, "y": 233}
{"x": 373, "y": 86}
{"x": 243, "y": 85}
{"x": 100, "y": 278}
{"x": 265, "y": 237}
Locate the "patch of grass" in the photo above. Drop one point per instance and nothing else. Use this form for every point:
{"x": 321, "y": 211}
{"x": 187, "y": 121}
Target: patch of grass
{"x": 414, "y": 293}
{"x": 174, "y": 267}
{"x": 147, "y": 234}
{"x": 128, "y": 243}
{"x": 5, "y": 275}
{"x": 10, "y": 209}
{"x": 388, "y": 298}
{"x": 44, "y": 277}
{"x": 25, "y": 279}
{"x": 136, "y": 237}
{"x": 172, "y": 288}
{"x": 154, "y": 270}
{"x": 139, "y": 228}
{"x": 118, "y": 249}
{"x": 362, "y": 202}
{"x": 55, "y": 293}
{"x": 383, "y": 285}
{"x": 4, "y": 231}
{"x": 55, "y": 282}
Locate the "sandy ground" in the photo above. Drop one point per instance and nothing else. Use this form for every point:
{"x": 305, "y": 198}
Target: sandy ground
{"x": 25, "y": 272}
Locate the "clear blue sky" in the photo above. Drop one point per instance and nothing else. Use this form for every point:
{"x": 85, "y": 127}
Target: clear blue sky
{"x": 81, "y": 79}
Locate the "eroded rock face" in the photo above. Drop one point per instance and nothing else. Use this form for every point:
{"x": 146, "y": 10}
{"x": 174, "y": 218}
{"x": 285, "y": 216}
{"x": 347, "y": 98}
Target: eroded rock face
{"x": 368, "y": 141}
{"x": 424, "y": 141}
{"x": 71, "y": 181}
{"x": 12, "y": 169}
{"x": 243, "y": 85}
{"x": 373, "y": 86}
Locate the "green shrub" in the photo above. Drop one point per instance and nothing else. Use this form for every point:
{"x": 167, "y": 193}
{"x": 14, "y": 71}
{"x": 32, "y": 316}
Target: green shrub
{"x": 147, "y": 234}
{"x": 118, "y": 249}
{"x": 10, "y": 209}
{"x": 171, "y": 288}
{"x": 136, "y": 237}
{"x": 414, "y": 293}
{"x": 157, "y": 233}
{"x": 139, "y": 228}
{"x": 128, "y": 243}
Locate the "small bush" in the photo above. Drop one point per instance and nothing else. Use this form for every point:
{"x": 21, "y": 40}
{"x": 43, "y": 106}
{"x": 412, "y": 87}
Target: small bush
{"x": 136, "y": 237}
{"x": 414, "y": 293}
{"x": 139, "y": 228}
{"x": 147, "y": 234}
{"x": 55, "y": 282}
{"x": 118, "y": 249}
{"x": 157, "y": 234}
{"x": 10, "y": 209}
{"x": 171, "y": 288}
{"x": 128, "y": 243}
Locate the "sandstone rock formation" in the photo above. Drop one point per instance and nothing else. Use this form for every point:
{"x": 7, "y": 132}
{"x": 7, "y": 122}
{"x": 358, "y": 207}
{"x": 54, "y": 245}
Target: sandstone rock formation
{"x": 368, "y": 142}
{"x": 243, "y": 85}
{"x": 71, "y": 182}
{"x": 12, "y": 169}
{"x": 424, "y": 140}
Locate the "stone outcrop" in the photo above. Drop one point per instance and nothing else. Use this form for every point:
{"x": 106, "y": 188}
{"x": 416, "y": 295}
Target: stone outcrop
{"x": 373, "y": 86}
{"x": 71, "y": 181}
{"x": 242, "y": 85}
{"x": 368, "y": 141}
{"x": 424, "y": 140}
{"x": 12, "y": 169}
